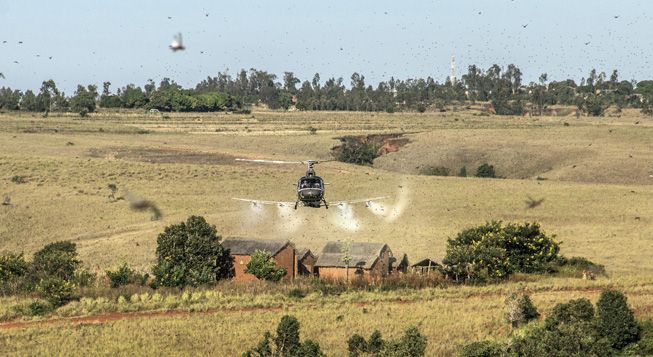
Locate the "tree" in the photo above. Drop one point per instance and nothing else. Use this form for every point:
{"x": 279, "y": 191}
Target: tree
{"x": 190, "y": 253}
{"x": 345, "y": 251}
{"x": 494, "y": 251}
{"x": 263, "y": 266}
{"x": 84, "y": 99}
{"x": 56, "y": 260}
{"x": 614, "y": 320}
{"x": 485, "y": 170}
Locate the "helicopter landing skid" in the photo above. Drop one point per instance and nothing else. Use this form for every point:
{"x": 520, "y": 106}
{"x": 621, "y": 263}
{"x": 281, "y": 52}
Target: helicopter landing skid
{"x": 325, "y": 203}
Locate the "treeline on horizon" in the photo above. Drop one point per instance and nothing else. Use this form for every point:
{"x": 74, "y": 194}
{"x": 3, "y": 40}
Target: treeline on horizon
{"x": 502, "y": 88}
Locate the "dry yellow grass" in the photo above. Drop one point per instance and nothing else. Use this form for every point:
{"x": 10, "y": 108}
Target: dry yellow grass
{"x": 601, "y": 209}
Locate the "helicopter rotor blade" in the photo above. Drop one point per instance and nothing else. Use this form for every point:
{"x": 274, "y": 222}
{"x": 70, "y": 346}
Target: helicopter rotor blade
{"x": 270, "y": 161}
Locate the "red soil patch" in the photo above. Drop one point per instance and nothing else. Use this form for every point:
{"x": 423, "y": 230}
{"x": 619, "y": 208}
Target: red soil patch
{"x": 115, "y": 316}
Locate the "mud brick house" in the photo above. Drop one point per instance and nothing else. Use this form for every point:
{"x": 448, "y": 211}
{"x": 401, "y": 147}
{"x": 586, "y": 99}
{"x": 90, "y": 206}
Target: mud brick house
{"x": 241, "y": 250}
{"x": 399, "y": 263}
{"x": 306, "y": 262}
{"x": 370, "y": 261}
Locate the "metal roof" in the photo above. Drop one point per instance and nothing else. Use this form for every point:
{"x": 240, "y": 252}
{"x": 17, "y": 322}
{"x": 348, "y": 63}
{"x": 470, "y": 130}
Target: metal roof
{"x": 362, "y": 254}
{"x": 247, "y": 246}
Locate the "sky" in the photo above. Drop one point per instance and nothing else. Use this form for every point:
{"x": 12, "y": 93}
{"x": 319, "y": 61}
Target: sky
{"x": 124, "y": 42}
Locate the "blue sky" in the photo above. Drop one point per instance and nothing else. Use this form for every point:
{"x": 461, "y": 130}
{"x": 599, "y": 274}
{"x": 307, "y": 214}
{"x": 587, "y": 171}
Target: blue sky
{"x": 126, "y": 41}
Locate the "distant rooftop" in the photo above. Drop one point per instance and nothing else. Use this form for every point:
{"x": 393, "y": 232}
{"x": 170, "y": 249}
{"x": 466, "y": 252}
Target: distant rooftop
{"x": 247, "y": 246}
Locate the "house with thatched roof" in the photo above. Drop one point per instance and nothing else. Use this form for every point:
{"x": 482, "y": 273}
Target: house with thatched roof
{"x": 241, "y": 250}
{"x": 354, "y": 260}
{"x": 306, "y": 262}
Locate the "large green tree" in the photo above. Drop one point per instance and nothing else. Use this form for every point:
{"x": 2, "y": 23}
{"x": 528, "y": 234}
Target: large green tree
{"x": 190, "y": 253}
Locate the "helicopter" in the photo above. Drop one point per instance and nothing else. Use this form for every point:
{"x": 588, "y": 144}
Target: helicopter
{"x": 177, "y": 44}
{"x": 310, "y": 188}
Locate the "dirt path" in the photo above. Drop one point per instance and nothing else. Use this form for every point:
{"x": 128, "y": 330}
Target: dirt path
{"x": 115, "y": 316}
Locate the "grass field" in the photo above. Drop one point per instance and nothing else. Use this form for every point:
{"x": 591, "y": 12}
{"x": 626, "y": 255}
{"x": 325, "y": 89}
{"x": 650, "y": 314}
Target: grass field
{"x": 595, "y": 176}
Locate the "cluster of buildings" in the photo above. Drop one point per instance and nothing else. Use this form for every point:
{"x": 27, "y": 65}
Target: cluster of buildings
{"x": 356, "y": 260}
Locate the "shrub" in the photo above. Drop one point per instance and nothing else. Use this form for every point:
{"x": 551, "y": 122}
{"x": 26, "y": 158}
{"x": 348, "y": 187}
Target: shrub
{"x": 13, "y": 270}
{"x": 485, "y": 170}
{"x": 574, "y": 311}
{"x": 296, "y": 293}
{"x": 84, "y": 278}
{"x": 421, "y": 108}
{"x": 123, "y": 275}
{"x": 356, "y": 345}
{"x": 576, "y": 266}
{"x": 56, "y": 291}
{"x": 190, "y": 253}
{"x": 287, "y": 342}
{"x": 18, "y": 179}
{"x": 462, "y": 172}
{"x": 482, "y": 349}
{"x": 435, "y": 171}
{"x": 519, "y": 309}
{"x": 56, "y": 260}
{"x": 412, "y": 344}
{"x": 577, "y": 339}
{"x": 645, "y": 345}
{"x": 354, "y": 151}
{"x": 262, "y": 266}
{"x": 39, "y": 307}
{"x": 493, "y": 251}
{"x": 614, "y": 320}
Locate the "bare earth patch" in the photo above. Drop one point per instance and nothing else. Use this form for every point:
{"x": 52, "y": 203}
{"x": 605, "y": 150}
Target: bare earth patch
{"x": 162, "y": 156}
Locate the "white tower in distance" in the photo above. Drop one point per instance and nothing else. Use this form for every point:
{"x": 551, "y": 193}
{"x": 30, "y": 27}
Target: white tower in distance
{"x": 452, "y": 74}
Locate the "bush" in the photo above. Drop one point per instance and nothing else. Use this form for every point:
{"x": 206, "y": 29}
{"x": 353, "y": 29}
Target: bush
{"x": 493, "y": 251}
{"x": 519, "y": 309}
{"x": 123, "y": 275}
{"x": 296, "y": 293}
{"x": 84, "y": 278}
{"x": 39, "y": 308}
{"x": 645, "y": 345}
{"x": 56, "y": 260}
{"x": 572, "y": 312}
{"x": 421, "y": 108}
{"x": 578, "y": 339}
{"x": 485, "y": 170}
{"x": 462, "y": 172}
{"x": 190, "y": 253}
{"x": 577, "y": 266}
{"x": 412, "y": 344}
{"x": 18, "y": 179}
{"x": 482, "y": 349}
{"x": 263, "y": 266}
{"x": 614, "y": 320}
{"x": 13, "y": 271}
{"x": 435, "y": 171}
{"x": 354, "y": 151}
{"x": 56, "y": 291}
{"x": 287, "y": 342}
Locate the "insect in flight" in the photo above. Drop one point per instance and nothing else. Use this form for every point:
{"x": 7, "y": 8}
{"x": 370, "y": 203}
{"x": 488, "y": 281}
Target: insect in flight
{"x": 310, "y": 188}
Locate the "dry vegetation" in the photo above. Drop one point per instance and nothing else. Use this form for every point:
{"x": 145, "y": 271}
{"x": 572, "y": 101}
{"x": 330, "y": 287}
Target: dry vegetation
{"x": 599, "y": 202}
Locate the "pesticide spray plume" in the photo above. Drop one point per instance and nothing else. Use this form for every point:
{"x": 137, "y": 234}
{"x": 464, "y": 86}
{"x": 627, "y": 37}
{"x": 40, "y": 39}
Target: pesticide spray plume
{"x": 253, "y": 214}
{"x": 290, "y": 218}
{"x": 390, "y": 213}
{"x": 344, "y": 218}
